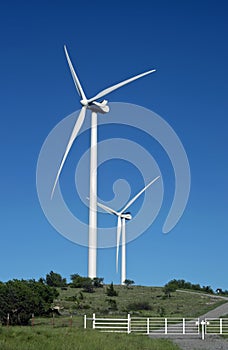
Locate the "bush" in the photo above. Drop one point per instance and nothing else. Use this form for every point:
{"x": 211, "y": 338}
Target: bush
{"x": 128, "y": 283}
{"x": 110, "y": 291}
{"x": 140, "y": 305}
{"x": 168, "y": 289}
{"x": 98, "y": 282}
{"x": 88, "y": 286}
{"x": 112, "y": 304}
{"x": 79, "y": 281}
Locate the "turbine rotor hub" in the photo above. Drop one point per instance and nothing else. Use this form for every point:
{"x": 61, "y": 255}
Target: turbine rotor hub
{"x": 84, "y": 102}
{"x": 126, "y": 216}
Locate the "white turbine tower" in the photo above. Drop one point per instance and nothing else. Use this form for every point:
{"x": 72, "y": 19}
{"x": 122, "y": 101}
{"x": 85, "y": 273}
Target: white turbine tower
{"x": 95, "y": 107}
{"x": 122, "y": 216}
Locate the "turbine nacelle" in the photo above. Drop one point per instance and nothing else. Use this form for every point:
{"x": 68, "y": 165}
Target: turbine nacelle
{"x": 99, "y": 107}
{"x": 126, "y": 216}
{"x": 94, "y": 106}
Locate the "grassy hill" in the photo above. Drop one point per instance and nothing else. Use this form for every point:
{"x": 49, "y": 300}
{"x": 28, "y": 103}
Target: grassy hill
{"x": 58, "y": 333}
{"x": 138, "y": 300}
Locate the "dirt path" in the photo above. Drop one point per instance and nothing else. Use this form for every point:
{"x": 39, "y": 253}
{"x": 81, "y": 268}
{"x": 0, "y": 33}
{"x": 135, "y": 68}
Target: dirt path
{"x": 200, "y": 293}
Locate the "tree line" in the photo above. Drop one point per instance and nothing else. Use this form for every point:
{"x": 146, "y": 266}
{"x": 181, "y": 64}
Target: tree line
{"x": 174, "y": 284}
{"x": 88, "y": 284}
{"x": 20, "y": 300}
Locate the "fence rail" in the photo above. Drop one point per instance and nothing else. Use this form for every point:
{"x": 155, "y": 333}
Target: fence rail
{"x": 153, "y": 325}
{"x": 160, "y": 325}
{"x": 216, "y": 326}
{"x": 145, "y": 325}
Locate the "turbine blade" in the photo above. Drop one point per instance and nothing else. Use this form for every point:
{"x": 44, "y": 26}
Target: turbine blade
{"x": 118, "y": 234}
{"x": 138, "y": 194}
{"x": 117, "y": 86}
{"x": 73, "y": 136}
{"x": 74, "y": 75}
{"x": 109, "y": 210}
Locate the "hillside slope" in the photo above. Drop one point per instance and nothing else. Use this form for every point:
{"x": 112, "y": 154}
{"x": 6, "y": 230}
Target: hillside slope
{"x": 138, "y": 300}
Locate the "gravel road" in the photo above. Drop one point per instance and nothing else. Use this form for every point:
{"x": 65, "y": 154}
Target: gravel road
{"x": 219, "y": 311}
{"x": 211, "y": 342}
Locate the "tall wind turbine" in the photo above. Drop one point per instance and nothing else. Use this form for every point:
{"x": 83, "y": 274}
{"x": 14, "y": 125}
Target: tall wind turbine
{"x": 122, "y": 217}
{"x": 96, "y": 107}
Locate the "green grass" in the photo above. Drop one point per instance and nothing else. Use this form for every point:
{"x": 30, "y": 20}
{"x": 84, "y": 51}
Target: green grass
{"x": 56, "y": 334}
{"x": 40, "y": 338}
{"x": 179, "y": 305}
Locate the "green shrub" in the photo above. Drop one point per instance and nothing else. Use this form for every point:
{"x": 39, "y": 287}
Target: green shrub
{"x": 110, "y": 291}
{"x": 140, "y": 305}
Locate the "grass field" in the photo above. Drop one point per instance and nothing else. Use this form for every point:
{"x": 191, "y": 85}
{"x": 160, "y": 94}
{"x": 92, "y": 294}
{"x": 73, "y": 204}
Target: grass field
{"x": 66, "y": 332}
{"x": 178, "y": 305}
{"x": 39, "y": 338}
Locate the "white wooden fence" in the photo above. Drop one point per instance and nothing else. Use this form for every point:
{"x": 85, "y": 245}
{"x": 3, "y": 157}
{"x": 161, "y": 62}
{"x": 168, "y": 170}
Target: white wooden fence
{"x": 159, "y": 325}
{"x": 216, "y": 326}
{"x": 145, "y": 325}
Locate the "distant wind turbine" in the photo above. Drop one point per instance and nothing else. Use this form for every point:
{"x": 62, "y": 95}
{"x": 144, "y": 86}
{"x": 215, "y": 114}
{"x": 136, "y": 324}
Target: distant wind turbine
{"x": 95, "y": 107}
{"x": 122, "y": 216}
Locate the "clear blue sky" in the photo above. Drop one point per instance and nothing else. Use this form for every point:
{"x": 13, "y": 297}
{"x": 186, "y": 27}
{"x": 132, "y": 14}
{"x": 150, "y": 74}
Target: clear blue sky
{"x": 186, "y": 41}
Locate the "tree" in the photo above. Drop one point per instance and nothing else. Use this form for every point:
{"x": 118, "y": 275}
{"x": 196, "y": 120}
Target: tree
{"x": 82, "y": 282}
{"x": 110, "y": 291}
{"x": 88, "y": 286}
{"x": 54, "y": 279}
{"x": 20, "y": 299}
{"x": 208, "y": 289}
{"x": 128, "y": 283}
{"x": 79, "y": 281}
{"x": 98, "y": 282}
{"x": 168, "y": 289}
{"x": 86, "y": 282}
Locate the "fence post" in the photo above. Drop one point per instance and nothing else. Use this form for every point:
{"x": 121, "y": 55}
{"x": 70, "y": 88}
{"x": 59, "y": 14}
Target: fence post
{"x": 94, "y": 324}
{"x": 84, "y": 321}
{"x": 128, "y": 323}
{"x": 220, "y": 325}
{"x": 203, "y": 323}
{"x": 166, "y": 326}
{"x": 183, "y": 325}
{"x": 198, "y": 326}
{"x": 148, "y": 326}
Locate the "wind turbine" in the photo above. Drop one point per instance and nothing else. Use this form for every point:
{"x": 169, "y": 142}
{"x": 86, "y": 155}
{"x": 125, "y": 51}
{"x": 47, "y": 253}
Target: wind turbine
{"x": 95, "y": 107}
{"x": 122, "y": 217}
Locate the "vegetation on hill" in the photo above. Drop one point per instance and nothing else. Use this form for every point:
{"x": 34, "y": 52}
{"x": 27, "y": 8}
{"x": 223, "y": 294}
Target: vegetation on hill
{"x": 20, "y": 300}
{"x": 174, "y": 284}
{"x": 137, "y": 300}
